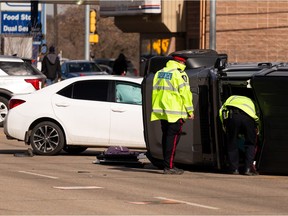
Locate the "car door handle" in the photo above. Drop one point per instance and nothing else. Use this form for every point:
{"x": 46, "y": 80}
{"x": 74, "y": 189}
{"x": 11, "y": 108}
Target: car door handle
{"x": 118, "y": 110}
{"x": 62, "y": 104}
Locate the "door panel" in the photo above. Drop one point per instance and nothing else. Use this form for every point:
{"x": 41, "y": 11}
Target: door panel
{"x": 272, "y": 93}
{"x": 85, "y": 122}
{"x": 126, "y": 116}
{"x": 84, "y": 112}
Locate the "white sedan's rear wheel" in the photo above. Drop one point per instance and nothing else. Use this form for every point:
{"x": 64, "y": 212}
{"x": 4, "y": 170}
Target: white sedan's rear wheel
{"x": 47, "y": 138}
{"x": 3, "y": 110}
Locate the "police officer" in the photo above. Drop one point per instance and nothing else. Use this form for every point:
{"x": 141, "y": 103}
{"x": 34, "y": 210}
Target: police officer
{"x": 238, "y": 116}
{"x": 172, "y": 104}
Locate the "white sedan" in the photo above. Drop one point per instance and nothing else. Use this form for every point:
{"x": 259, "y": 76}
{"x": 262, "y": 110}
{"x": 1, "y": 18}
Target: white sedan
{"x": 77, "y": 113}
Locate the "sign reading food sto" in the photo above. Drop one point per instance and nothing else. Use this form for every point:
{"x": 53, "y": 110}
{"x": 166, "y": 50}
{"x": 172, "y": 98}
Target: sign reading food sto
{"x": 13, "y": 22}
{"x": 16, "y": 17}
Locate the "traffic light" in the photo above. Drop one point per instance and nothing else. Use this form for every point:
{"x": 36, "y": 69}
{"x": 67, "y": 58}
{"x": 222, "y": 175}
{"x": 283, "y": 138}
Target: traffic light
{"x": 93, "y": 38}
{"x": 93, "y": 21}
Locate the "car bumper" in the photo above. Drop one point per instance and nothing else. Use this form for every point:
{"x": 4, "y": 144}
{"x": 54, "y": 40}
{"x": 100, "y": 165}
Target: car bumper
{"x": 14, "y": 126}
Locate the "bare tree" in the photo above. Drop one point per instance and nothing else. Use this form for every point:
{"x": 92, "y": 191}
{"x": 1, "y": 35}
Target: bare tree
{"x": 71, "y": 34}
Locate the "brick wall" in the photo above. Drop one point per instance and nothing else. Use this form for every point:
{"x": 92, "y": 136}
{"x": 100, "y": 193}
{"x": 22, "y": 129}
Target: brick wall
{"x": 193, "y": 24}
{"x": 251, "y": 30}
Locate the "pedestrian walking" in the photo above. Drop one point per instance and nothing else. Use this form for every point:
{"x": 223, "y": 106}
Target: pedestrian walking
{"x": 51, "y": 67}
{"x": 238, "y": 117}
{"x": 120, "y": 65}
{"x": 172, "y": 105}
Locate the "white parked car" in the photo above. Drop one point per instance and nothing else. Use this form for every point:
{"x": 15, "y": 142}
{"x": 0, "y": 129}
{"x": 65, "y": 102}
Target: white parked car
{"x": 16, "y": 76}
{"x": 77, "y": 113}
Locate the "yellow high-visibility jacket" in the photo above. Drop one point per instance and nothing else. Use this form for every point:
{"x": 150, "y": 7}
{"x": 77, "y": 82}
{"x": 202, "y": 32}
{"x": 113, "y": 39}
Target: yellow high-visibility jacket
{"x": 171, "y": 95}
{"x": 241, "y": 102}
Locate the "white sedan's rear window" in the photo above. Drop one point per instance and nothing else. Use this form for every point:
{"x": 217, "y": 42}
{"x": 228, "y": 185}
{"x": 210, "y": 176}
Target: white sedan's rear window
{"x": 18, "y": 68}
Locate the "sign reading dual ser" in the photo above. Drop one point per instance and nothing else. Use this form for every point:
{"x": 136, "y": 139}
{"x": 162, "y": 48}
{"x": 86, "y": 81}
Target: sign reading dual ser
{"x": 16, "y": 22}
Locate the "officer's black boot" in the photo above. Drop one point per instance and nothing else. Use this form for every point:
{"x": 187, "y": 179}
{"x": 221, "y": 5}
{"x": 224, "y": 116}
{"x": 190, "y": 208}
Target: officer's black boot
{"x": 249, "y": 172}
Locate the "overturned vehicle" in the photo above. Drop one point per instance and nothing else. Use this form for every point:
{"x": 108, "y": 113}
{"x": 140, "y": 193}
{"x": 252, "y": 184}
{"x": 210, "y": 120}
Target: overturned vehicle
{"x": 212, "y": 81}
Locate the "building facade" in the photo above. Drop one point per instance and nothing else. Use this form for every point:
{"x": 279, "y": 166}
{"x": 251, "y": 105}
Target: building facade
{"x": 247, "y": 30}
{"x": 251, "y": 30}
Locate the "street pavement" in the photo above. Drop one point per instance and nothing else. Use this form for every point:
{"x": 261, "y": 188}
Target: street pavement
{"x": 75, "y": 185}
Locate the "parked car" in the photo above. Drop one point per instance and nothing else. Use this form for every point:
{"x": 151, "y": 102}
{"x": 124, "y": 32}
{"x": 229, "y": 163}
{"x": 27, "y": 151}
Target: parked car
{"x": 106, "y": 68}
{"x": 74, "y": 68}
{"x": 62, "y": 60}
{"x": 77, "y": 113}
{"x": 16, "y": 76}
{"x": 105, "y": 61}
{"x": 212, "y": 81}
{"x": 131, "y": 69}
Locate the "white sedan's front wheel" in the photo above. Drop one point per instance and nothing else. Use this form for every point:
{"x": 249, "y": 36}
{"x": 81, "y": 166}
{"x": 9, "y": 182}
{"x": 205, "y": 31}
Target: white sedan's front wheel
{"x": 47, "y": 138}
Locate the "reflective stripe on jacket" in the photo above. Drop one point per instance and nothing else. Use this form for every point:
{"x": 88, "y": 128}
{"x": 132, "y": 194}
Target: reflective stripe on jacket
{"x": 171, "y": 95}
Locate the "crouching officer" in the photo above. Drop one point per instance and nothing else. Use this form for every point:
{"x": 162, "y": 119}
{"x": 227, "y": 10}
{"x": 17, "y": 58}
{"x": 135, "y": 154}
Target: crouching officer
{"x": 238, "y": 116}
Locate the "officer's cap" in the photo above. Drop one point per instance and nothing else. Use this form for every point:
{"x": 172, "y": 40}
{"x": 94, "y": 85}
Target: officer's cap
{"x": 179, "y": 58}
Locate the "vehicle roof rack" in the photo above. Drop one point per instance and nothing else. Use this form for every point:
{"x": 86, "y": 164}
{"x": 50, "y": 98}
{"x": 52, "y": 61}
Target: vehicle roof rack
{"x": 221, "y": 61}
{"x": 265, "y": 64}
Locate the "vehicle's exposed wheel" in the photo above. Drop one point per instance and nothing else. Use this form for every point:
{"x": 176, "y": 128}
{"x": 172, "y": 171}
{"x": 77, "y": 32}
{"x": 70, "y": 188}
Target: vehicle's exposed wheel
{"x": 156, "y": 162}
{"x": 47, "y": 138}
{"x": 74, "y": 149}
{"x": 3, "y": 109}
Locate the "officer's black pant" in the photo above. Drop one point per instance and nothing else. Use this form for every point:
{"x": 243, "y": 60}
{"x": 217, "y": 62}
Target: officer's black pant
{"x": 240, "y": 123}
{"x": 171, "y": 133}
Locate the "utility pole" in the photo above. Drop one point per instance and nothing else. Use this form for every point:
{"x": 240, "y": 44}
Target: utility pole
{"x": 35, "y": 29}
{"x": 87, "y": 33}
{"x": 34, "y": 14}
{"x": 43, "y": 19}
{"x": 212, "y": 36}
{"x": 55, "y": 11}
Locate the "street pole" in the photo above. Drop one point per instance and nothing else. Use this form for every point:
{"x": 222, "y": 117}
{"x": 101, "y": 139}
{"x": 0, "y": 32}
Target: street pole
{"x": 87, "y": 44}
{"x": 35, "y": 31}
{"x": 43, "y": 19}
{"x": 55, "y": 10}
{"x": 212, "y": 36}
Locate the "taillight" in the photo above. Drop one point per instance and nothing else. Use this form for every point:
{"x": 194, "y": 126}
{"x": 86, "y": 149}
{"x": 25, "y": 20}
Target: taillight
{"x": 34, "y": 82}
{"x": 15, "y": 102}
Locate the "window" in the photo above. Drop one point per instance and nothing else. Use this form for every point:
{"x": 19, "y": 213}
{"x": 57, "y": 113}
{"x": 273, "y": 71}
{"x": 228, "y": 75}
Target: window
{"x": 18, "y": 68}
{"x": 83, "y": 67}
{"x": 96, "y": 90}
{"x": 129, "y": 93}
{"x": 74, "y": 68}
{"x": 67, "y": 91}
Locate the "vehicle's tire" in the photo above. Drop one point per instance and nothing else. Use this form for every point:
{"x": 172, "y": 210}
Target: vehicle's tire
{"x": 74, "y": 149}
{"x": 3, "y": 109}
{"x": 47, "y": 138}
{"x": 155, "y": 161}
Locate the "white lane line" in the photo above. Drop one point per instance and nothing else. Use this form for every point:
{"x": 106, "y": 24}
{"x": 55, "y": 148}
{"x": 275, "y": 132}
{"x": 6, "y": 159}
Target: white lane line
{"x": 188, "y": 203}
{"x": 77, "y": 187}
{"x": 37, "y": 174}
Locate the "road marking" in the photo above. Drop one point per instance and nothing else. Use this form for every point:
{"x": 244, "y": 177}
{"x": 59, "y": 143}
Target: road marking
{"x": 140, "y": 203}
{"x": 155, "y": 202}
{"x": 188, "y": 203}
{"x": 37, "y": 174}
{"x": 77, "y": 187}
